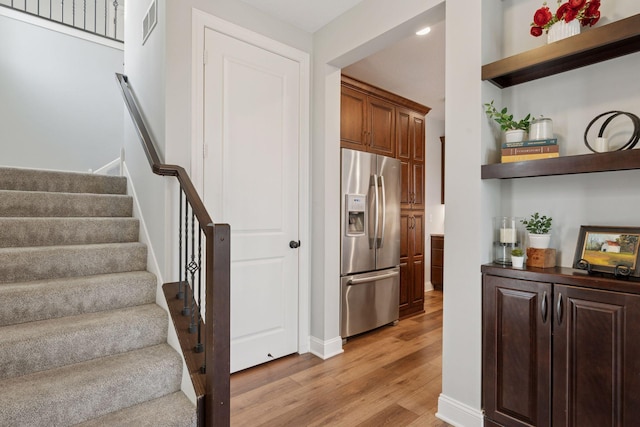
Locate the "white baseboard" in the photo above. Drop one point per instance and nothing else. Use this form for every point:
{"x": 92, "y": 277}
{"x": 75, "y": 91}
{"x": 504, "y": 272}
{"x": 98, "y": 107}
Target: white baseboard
{"x": 458, "y": 414}
{"x": 326, "y": 349}
{"x": 113, "y": 168}
{"x": 428, "y": 286}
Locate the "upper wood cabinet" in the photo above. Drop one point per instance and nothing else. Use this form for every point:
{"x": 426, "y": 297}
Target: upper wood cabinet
{"x": 410, "y": 152}
{"x": 367, "y": 123}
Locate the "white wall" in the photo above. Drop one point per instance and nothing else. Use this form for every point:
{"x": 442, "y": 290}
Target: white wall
{"x": 434, "y": 211}
{"x": 460, "y": 401}
{"x": 60, "y": 107}
{"x": 145, "y": 67}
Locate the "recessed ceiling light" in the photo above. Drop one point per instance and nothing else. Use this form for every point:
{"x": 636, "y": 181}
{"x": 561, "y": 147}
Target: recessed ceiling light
{"x": 423, "y": 31}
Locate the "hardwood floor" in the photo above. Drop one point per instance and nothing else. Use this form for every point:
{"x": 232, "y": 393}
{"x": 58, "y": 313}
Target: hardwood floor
{"x": 388, "y": 377}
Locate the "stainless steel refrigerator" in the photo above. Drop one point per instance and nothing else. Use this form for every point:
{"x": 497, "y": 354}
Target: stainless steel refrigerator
{"x": 370, "y": 241}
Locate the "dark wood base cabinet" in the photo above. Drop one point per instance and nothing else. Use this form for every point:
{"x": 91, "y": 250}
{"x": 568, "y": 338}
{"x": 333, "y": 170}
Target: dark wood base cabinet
{"x": 560, "y": 348}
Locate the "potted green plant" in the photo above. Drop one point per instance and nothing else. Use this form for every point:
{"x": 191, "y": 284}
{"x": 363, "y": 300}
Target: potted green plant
{"x": 539, "y": 229}
{"x": 517, "y": 258}
{"x": 515, "y": 130}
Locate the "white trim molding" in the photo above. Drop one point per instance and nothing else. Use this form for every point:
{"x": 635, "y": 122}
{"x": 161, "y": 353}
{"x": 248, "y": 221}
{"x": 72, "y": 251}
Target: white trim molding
{"x": 457, "y": 413}
{"x": 326, "y": 349}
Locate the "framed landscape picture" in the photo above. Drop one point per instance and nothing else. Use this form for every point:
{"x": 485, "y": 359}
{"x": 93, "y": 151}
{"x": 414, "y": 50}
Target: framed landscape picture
{"x": 608, "y": 250}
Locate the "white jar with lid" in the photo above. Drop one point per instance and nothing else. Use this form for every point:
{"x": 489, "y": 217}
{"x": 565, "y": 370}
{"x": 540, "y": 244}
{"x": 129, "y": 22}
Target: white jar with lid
{"x": 541, "y": 128}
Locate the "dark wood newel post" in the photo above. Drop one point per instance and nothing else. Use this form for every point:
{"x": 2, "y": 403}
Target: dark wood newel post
{"x": 217, "y": 330}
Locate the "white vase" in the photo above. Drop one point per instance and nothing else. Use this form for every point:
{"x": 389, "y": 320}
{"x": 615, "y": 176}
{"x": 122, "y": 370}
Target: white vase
{"x": 539, "y": 241}
{"x": 561, "y": 30}
{"x": 517, "y": 261}
{"x": 514, "y": 135}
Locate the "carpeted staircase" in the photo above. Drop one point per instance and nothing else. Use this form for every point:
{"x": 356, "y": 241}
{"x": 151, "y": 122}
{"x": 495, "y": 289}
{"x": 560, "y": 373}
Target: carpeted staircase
{"x": 81, "y": 338}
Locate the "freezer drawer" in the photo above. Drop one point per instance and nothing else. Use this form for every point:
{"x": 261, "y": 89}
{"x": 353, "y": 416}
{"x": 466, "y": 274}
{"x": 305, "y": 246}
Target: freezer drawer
{"x": 368, "y": 300}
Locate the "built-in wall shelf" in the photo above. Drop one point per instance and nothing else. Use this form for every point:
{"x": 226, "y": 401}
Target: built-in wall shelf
{"x": 595, "y": 45}
{"x": 565, "y": 165}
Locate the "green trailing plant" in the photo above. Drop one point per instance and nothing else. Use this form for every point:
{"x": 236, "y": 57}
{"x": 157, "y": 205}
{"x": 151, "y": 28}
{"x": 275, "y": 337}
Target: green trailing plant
{"x": 537, "y": 224}
{"x": 505, "y": 120}
{"x": 517, "y": 252}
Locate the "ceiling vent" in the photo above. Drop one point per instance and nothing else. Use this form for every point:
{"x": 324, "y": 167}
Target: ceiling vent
{"x": 150, "y": 21}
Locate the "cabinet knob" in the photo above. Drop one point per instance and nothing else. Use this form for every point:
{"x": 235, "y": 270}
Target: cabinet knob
{"x": 293, "y": 244}
{"x": 543, "y": 308}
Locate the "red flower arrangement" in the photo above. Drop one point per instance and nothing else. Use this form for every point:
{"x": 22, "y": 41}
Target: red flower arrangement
{"x": 587, "y": 12}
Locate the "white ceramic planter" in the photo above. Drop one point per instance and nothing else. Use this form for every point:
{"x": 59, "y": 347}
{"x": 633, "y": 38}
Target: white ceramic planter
{"x": 514, "y": 135}
{"x": 561, "y": 30}
{"x": 517, "y": 261}
{"x": 539, "y": 241}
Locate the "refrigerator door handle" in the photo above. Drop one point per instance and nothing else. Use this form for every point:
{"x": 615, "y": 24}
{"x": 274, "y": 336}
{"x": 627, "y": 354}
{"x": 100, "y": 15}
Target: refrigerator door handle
{"x": 373, "y": 239}
{"x": 384, "y": 213}
{"x": 372, "y": 279}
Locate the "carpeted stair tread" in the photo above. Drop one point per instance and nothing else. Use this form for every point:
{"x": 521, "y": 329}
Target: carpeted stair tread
{"x": 80, "y": 392}
{"x": 64, "y": 182}
{"x": 31, "y": 347}
{"x": 174, "y": 410}
{"x": 50, "y": 262}
{"x": 20, "y": 232}
{"x": 44, "y": 204}
{"x": 46, "y": 299}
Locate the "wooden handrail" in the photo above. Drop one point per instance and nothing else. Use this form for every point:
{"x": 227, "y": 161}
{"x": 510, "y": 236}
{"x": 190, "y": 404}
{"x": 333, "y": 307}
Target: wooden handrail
{"x": 157, "y": 166}
{"x": 216, "y": 393}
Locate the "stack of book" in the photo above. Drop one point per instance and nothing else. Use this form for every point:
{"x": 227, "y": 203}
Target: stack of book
{"x": 530, "y": 150}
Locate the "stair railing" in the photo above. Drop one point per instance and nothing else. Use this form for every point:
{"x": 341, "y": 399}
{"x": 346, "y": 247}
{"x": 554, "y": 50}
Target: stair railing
{"x": 208, "y": 357}
{"x": 101, "y": 17}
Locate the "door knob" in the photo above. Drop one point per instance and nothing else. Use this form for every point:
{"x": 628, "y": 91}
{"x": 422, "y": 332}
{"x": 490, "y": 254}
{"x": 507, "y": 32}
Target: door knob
{"x": 293, "y": 244}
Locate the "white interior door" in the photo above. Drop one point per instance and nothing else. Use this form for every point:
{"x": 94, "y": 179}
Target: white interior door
{"x": 250, "y": 180}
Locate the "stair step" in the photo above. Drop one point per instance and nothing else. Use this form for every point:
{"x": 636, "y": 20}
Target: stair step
{"x": 63, "y": 182}
{"x": 47, "y": 299}
{"x": 174, "y": 410}
{"x": 76, "y": 393}
{"x": 44, "y": 204}
{"x": 47, "y": 344}
{"x": 51, "y": 262}
{"x": 21, "y": 232}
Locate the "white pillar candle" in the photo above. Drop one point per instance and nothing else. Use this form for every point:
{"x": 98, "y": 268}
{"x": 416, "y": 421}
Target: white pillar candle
{"x": 602, "y": 145}
{"x": 508, "y": 235}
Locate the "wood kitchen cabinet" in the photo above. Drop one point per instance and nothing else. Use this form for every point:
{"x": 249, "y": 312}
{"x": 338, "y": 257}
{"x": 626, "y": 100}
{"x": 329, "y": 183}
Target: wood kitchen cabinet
{"x": 559, "y": 349}
{"x": 410, "y": 152}
{"x": 367, "y": 123}
{"x": 437, "y": 260}
{"x": 411, "y": 263}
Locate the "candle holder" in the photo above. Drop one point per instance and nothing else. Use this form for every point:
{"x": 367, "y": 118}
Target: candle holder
{"x": 508, "y": 235}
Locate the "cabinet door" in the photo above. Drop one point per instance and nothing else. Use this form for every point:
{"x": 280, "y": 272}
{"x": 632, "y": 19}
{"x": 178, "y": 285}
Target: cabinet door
{"x": 403, "y": 153}
{"x": 410, "y": 152}
{"x": 406, "y": 272}
{"x": 353, "y": 119}
{"x": 596, "y": 360}
{"x": 437, "y": 257}
{"x": 417, "y": 288}
{"x": 411, "y": 263}
{"x": 417, "y": 160}
{"x": 382, "y": 126}
{"x": 516, "y": 341}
